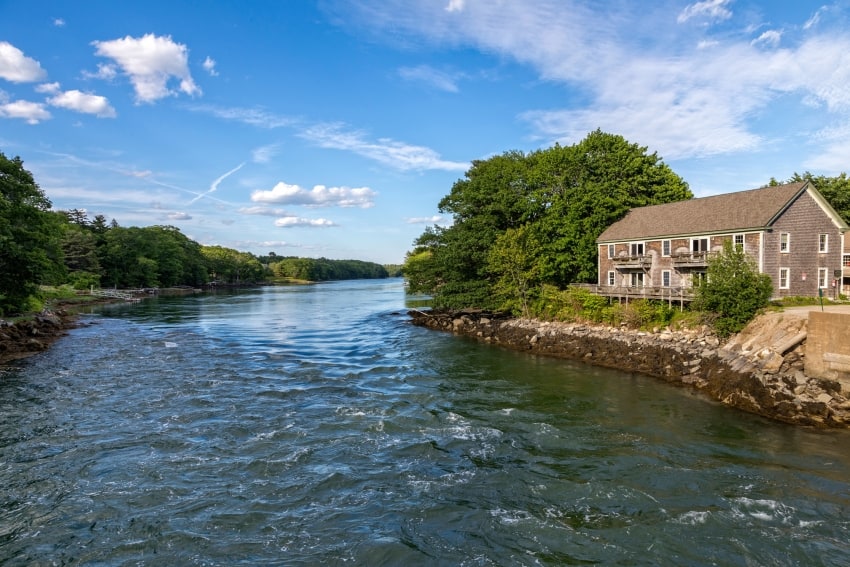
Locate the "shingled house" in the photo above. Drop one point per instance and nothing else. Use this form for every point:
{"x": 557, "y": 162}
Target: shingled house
{"x": 790, "y": 231}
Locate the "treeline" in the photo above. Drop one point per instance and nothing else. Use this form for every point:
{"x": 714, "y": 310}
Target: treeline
{"x": 39, "y": 246}
{"x": 322, "y": 269}
{"x": 526, "y": 221}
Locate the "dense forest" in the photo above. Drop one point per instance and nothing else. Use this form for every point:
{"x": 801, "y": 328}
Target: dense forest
{"x": 525, "y": 224}
{"x": 40, "y": 246}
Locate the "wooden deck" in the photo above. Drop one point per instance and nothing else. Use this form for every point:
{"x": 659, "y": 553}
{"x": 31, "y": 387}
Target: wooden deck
{"x": 680, "y": 295}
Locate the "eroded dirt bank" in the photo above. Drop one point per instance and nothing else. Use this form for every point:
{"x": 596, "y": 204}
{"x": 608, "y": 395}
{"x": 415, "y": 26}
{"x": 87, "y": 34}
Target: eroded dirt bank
{"x": 760, "y": 372}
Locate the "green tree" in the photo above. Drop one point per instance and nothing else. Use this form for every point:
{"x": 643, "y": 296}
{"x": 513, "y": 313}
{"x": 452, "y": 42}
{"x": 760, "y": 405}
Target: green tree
{"x": 734, "y": 290}
{"x": 515, "y": 260}
{"x": 29, "y": 236}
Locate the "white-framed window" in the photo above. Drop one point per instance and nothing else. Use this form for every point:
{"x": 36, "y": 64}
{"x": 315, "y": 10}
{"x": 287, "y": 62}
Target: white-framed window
{"x": 738, "y": 242}
{"x": 823, "y": 278}
{"x": 784, "y": 242}
{"x": 823, "y": 243}
{"x": 784, "y": 278}
{"x": 612, "y": 278}
{"x": 846, "y": 261}
{"x": 665, "y": 247}
{"x": 636, "y": 248}
{"x": 665, "y": 278}
{"x": 611, "y": 250}
{"x": 637, "y": 279}
{"x": 699, "y": 244}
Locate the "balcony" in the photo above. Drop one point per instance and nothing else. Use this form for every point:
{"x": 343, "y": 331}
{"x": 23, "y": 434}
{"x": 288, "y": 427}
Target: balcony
{"x": 642, "y": 262}
{"x": 690, "y": 260}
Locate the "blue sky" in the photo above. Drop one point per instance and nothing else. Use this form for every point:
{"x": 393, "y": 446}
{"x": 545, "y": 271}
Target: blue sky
{"x": 334, "y": 128}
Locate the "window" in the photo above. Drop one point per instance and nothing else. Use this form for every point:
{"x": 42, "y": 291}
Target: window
{"x": 784, "y": 274}
{"x": 699, "y": 245}
{"x": 637, "y": 279}
{"x": 846, "y": 261}
{"x": 823, "y": 276}
{"x": 784, "y": 242}
{"x": 611, "y": 278}
{"x": 611, "y": 250}
{"x": 665, "y": 247}
{"x": 665, "y": 278}
{"x": 636, "y": 249}
{"x": 823, "y": 243}
{"x": 738, "y": 241}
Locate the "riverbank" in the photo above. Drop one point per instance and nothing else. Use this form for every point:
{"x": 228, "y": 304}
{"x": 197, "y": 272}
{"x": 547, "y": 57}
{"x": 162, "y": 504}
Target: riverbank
{"x": 34, "y": 334}
{"x": 759, "y": 371}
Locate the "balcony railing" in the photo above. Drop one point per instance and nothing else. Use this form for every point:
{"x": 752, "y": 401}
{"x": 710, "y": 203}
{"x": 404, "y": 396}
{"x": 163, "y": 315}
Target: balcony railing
{"x": 690, "y": 260}
{"x": 632, "y": 262}
{"x": 672, "y": 294}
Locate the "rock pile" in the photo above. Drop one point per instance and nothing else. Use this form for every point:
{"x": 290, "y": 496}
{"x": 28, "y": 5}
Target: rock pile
{"x": 24, "y": 338}
{"x": 754, "y": 377}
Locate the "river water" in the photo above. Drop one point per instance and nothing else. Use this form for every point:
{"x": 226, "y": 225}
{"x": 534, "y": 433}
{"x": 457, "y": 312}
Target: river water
{"x": 313, "y": 425}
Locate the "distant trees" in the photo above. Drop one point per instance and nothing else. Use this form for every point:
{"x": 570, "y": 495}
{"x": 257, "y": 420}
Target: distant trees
{"x": 524, "y": 220}
{"x": 226, "y": 265}
{"x": 29, "y": 236}
{"x": 323, "y": 269}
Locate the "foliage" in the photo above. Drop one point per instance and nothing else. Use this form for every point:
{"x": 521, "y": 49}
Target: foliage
{"x": 522, "y": 220}
{"x": 29, "y": 249}
{"x": 230, "y": 266}
{"x": 579, "y": 304}
{"x": 322, "y": 269}
{"x": 734, "y": 290}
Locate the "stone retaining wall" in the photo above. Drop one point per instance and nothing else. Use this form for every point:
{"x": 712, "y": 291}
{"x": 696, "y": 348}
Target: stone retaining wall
{"x": 769, "y": 386}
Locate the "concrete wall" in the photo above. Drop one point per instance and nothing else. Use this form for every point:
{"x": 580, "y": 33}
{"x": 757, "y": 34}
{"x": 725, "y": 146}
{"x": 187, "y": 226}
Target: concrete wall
{"x": 828, "y": 347}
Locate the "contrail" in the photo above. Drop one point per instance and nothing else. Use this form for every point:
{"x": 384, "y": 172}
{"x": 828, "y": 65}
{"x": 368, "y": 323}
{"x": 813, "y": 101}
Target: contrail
{"x": 215, "y": 183}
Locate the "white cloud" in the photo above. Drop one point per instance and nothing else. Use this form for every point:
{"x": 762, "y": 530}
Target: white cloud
{"x": 179, "y": 216}
{"x": 48, "y": 88}
{"x": 252, "y": 116}
{"x": 105, "y": 71}
{"x": 770, "y": 38}
{"x": 32, "y": 112}
{"x": 815, "y": 19}
{"x": 389, "y": 152}
{"x": 17, "y": 67}
{"x": 455, "y": 6}
{"x": 83, "y": 102}
{"x": 709, "y": 9}
{"x": 319, "y": 196}
{"x": 264, "y": 211}
{"x": 150, "y": 62}
{"x": 293, "y": 222}
{"x": 264, "y": 154}
{"x": 425, "y": 220}
{"x": 430, "y": 76}
{"x": 209, "y": 66}
{"x": 59, "y": 22}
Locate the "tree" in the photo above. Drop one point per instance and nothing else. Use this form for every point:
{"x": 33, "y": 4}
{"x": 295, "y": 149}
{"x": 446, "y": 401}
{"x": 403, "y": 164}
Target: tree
{"x": 515, "y": 259}
{"x": 29, "y": 236}
{"x": 733, "y": 290}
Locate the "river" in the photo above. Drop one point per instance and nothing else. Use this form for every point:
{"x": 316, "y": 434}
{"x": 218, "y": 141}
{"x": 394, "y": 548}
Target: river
{"x": 309, "y": 425}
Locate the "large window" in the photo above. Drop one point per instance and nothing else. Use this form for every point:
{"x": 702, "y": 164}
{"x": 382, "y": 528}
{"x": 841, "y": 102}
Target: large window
{"x": 784, "y": 278}
{"x": 665, "y": 247}
{"x": 784, "y": 242}
{"x": 699, "y": 245}
{"x": 665, "y": 278}
{"x": 636, "y": 249}
{"x": 637, "y": 279}
{"x": 823, "y": 243}
{"x": 823, "y": 277}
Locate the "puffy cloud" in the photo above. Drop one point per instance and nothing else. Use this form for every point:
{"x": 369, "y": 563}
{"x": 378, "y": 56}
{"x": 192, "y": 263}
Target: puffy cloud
{"x": 209, "y": 66}
{"x": 32, "y": 112}
{"x": 293, "y": 222}
{"x": 709, "y": 9}
{"x": 389, "y": 152}
{"x": 150, "y": 62}
{"x": 319, "y": 196}
{"x": 17, "y": 67}
{"x": 84, "y": 102}
{"x": 455, "y": 6}
{"x": 49, "y": 88}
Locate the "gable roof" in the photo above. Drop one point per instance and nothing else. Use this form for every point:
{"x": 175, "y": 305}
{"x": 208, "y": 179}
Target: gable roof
{"x": 730, "y": 212}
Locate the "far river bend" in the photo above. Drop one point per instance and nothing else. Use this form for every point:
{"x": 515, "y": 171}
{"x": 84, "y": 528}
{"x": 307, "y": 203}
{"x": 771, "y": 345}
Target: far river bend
{"x": 313, "y": 425}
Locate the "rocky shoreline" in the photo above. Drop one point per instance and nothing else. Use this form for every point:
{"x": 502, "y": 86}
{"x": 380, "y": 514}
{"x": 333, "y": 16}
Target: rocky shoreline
{"x": 33, "y": 335}
{"x": 766, "y": 380}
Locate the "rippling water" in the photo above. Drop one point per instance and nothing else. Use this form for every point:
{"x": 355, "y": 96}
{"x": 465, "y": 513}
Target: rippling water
{"x": 314, "y": 425}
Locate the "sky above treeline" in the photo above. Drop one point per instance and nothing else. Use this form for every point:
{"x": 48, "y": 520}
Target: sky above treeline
{"x": 333, "y": 128}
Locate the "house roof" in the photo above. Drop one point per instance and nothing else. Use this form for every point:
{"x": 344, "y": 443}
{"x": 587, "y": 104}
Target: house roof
{"x": 730, "y": 212}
